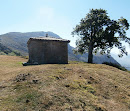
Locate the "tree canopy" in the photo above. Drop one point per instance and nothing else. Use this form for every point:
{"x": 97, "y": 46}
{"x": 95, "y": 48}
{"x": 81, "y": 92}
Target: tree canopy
{"x": 98, "y": 32}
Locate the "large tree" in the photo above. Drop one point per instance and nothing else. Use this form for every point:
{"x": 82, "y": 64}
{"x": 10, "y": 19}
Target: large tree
{"x": 97, "y": 32}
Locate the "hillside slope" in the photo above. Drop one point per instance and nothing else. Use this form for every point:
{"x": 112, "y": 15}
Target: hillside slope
{"x": 7, "y": 51}
{"x": 75, "y": 86}
{"x": 18, "y": 41}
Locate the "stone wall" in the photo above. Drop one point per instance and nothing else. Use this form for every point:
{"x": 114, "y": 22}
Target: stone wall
{"x": 48, "y": 52}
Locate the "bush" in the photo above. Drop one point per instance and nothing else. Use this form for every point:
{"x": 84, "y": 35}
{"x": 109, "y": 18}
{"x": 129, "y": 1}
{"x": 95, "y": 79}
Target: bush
{"x": 2, "y": 53}
{"x": 115, "y": 65}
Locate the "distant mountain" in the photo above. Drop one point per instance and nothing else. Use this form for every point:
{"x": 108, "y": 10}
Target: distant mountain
{"x": 18, "y": 41}
{"x": 126, "y": 66}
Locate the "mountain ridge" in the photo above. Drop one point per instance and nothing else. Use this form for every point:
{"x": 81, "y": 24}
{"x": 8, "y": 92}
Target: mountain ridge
{"x": 18, "y": 41}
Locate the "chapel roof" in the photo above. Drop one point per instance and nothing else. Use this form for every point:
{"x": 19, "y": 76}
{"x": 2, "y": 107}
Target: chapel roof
{"x": 48, "y": 39}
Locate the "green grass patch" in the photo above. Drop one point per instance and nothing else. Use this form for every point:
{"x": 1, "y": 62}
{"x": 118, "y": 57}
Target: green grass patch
{"x": 82, "y": 85}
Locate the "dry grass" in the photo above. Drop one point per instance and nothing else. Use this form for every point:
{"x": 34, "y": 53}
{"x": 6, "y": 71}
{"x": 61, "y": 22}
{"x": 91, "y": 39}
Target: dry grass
{"x": 75, "y": 86}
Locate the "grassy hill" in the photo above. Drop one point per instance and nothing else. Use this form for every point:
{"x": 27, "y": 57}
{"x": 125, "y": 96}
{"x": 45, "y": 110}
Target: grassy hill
{"x": 76, "y": 86}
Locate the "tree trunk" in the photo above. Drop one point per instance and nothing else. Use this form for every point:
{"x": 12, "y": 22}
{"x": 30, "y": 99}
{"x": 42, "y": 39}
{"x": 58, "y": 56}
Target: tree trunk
{"x": 90, "y": 53}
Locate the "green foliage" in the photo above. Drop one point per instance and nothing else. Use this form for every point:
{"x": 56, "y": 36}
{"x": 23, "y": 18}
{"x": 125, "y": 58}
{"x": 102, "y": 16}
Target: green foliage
{"x": 98, "y": 32}
{"x": 115, "y": 65}
{"x": 7, "y": 51}
{"x": 2, "y": 53}
{"x": 16, "y": 53}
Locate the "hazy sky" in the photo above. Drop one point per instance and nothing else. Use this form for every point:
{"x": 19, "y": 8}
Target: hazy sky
{"x": 58, "y": 16}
